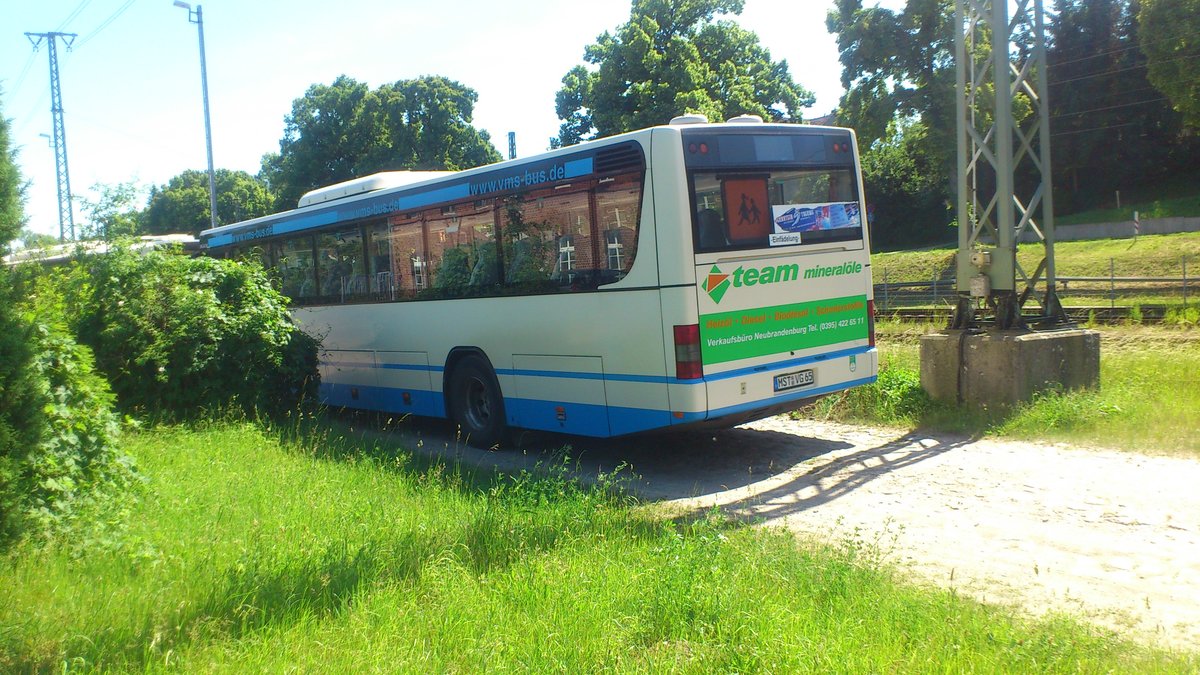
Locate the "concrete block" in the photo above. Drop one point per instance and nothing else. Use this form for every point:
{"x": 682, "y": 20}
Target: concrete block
{"x": 1002, "y": 368}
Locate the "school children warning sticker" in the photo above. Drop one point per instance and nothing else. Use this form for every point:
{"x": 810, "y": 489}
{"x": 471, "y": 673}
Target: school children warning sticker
{"x": 747, "y": 209}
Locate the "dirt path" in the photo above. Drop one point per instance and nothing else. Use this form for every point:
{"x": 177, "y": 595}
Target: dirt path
{"x": 1111, "y": 536}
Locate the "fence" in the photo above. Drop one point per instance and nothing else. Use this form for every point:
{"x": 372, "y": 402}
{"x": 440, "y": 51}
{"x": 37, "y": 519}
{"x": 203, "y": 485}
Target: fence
{"x": 1078, "y": 293}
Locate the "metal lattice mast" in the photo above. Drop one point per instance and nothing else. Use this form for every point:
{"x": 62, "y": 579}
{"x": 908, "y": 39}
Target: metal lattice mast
{"x": 997, "y": 203}
{"x": 66, "y": 219}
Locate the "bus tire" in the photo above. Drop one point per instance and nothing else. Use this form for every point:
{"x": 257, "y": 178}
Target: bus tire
{"x": 476, "y": 404}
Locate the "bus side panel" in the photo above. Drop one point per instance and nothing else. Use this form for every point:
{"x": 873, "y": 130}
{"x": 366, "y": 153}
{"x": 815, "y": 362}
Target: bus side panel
{"x": 348, "y": 378}
{"x": 677, "y": 275}
{"x": 636, "y": 376}
{"x": 405, "y": 386}
{"x": 558, "y": 393}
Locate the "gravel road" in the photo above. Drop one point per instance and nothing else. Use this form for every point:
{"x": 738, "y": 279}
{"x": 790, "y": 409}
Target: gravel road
{"x": 1111, "y": 536}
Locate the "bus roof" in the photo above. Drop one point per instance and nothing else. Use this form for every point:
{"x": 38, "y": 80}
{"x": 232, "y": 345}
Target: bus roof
{"x": 381, "y": 194}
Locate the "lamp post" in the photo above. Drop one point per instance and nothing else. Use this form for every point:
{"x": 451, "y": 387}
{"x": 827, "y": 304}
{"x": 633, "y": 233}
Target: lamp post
{"x": 196, "y": 16}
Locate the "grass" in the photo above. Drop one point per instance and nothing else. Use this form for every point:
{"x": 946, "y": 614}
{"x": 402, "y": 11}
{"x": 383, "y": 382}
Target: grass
{"x": 1148, "y": 400}
{"x": 1174, "y": 196}
{"x": 253, "y": 551}
{"x": 1149, "y": 256}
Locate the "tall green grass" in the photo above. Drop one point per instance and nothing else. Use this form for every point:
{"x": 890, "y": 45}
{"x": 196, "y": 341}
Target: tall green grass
{"x": 1148, "y": 256}
{"x": 1148, "y": 399}
{"x": 257, "y": 551}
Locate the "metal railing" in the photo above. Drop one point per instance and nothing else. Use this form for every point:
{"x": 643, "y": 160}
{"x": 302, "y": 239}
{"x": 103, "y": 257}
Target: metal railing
{"x": 1112, "y": 292}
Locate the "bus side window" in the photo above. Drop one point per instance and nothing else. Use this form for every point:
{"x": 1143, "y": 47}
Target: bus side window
{"x": 296, "y": 268}
{"x": 379, "y": 263}
{"x": 618, "y": 204}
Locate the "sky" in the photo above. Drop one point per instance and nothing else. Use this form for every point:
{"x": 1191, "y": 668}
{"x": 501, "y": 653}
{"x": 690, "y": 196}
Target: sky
{"x": 131, "y": 88}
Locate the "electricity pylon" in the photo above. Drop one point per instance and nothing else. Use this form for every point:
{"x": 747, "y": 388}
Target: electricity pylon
{"x": 66, "y": 219}
{"x": 995, "y": 68}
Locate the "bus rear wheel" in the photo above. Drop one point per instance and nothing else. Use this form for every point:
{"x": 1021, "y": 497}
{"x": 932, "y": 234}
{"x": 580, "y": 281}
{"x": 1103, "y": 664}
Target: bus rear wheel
{"x": 475, "y": 402}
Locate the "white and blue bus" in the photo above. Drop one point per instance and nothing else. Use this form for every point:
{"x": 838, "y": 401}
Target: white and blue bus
{"x": 684, "y": 275}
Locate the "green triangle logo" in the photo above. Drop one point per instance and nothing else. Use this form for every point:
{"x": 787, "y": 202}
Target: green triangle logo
{"x": 716, "y": 284}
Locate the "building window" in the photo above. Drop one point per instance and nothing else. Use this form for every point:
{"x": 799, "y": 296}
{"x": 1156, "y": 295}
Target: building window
{"x": 614, "y": 249}
{"x": 566, "y": 257}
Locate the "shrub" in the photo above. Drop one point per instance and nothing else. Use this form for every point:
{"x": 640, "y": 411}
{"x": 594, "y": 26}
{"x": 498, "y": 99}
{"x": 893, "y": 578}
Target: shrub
{"x": 178, "y": 336}
{"x": 896, "y": 397}
{"x": 1183, "y": 317}
{"x": 60, "y": 465}
{"x": 21, "y": 418}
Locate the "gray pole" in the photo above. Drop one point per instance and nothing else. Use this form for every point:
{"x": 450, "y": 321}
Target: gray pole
{"x": 212, "y": 181}
{"x": 66, "y": 216}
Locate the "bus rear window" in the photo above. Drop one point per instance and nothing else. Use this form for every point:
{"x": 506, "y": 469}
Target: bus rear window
{"x": 781, "y": 207}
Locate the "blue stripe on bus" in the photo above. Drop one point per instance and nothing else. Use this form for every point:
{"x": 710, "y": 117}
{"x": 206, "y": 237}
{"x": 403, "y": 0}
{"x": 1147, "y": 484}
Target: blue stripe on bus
{"x": 446, "y": 194}
{"x": 617, "y": 377}
{"x": 578, "y": 167}
{"x": 385, "y": 399}
{"x": 584, "y": 419}
{"x": 787, "y": 364}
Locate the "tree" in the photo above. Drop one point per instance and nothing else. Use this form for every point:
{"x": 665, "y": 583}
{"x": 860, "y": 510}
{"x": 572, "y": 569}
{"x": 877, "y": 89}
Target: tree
{"x": 898, "y": 70}
{"x": 12, "y": 191}
{"x": 1101, "y": 99}
{"x": 31, "y": 239}
{"x": 672, "y": 57}
{"x": 113, "y": 212}
{"x": 898, "y": 65}
{"x": 182, "y": 205}
{"x": 1174, "y": 52}
{"x": 905, "y": 191}
{"x": 345, "y": 130}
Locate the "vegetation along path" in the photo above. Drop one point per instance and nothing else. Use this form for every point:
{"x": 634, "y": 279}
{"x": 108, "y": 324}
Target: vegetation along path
{"x": 1112, "y": 536}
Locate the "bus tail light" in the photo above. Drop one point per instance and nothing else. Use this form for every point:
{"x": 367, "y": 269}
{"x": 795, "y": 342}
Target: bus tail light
{"x": 871, "y": 322}
{"x": 687, "y": 352}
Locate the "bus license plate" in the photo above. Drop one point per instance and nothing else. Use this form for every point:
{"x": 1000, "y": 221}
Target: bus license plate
{"x": 801, "y": 378}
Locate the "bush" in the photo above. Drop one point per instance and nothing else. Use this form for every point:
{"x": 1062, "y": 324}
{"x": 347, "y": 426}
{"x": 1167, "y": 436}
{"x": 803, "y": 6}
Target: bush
{"x": 21, "y": 418}
{"x": 896, "y": 397}
{"x": 60, "y": 465}
{"x": 179, "y": 336}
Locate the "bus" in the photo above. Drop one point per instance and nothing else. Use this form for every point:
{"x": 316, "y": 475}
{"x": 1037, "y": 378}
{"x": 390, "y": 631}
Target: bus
{"x": 687, "y": 275}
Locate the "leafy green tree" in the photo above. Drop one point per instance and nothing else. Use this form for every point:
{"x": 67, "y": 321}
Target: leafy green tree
{"x": 898, "y": 64}
{"x": 113, "y": 212}
{"x": 31, "y": 239}
{"x": 898, "y": 70}
{"x": 671, "y": 57}
{"x": 909, "y": 201}
{"x": 182, "y": 205}
{"x": 1110, "y": 128}
{"x": 345, "y": 130}
{"x": 1173, "y": 50}
{"x": 12, "y": 193}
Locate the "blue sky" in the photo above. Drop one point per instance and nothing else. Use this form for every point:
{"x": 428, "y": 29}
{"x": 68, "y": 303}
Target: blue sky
{"x": 131, "y": 84}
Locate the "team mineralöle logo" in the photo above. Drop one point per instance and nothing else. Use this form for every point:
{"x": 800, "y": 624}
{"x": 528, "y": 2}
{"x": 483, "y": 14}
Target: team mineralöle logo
{"x": 717, "y": 284}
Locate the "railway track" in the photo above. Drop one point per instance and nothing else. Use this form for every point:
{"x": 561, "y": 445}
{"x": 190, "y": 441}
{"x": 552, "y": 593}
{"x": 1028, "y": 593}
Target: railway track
{"x": 1104, "y": 314}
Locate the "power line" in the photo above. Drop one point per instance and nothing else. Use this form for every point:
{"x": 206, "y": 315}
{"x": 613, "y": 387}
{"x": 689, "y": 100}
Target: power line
{"x": 21, "y": 78}
{"x": 71, "y": 17}
{"x": 1120, "y": 70}
{"x": 1083, "y": 131}
{"x": 115, "y": 15}
{"x": 1111, "y": 107}
{"x": 1137, "y": 43}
